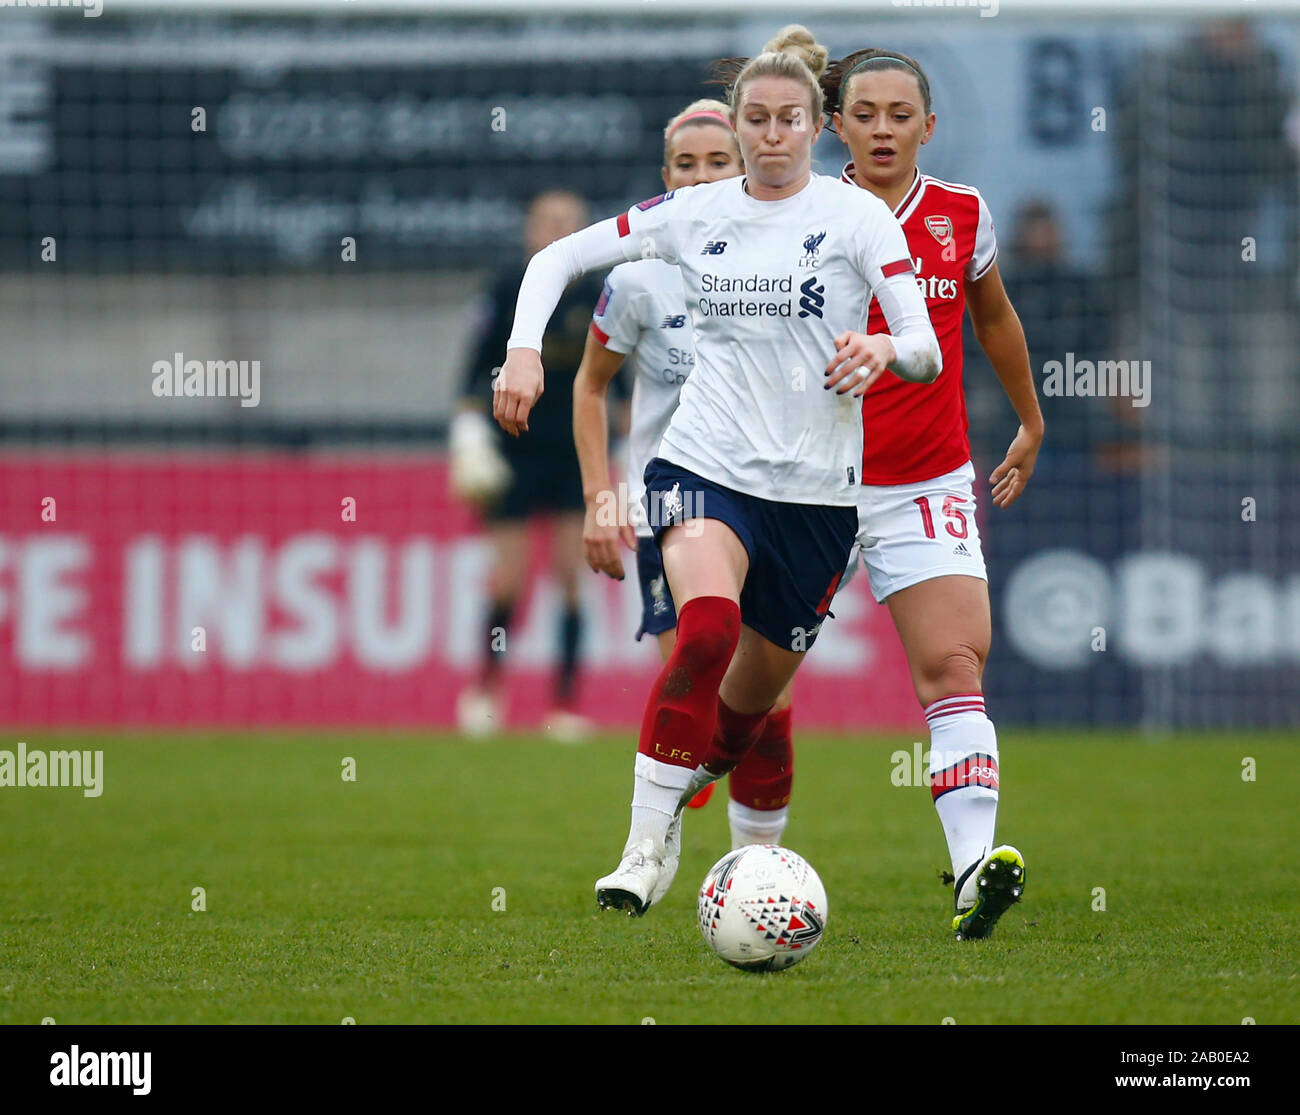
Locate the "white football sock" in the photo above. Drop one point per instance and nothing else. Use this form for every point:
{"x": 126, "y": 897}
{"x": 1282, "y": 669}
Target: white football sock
{"x": 963, "y": 779}
{"x": 656, "y": 789}
{"x": 755, "y": 826}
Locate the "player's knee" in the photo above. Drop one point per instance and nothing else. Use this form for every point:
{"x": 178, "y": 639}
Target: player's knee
{"x": 709, "y": 649}
{"x": 708, "y": 629}
{"x": 960, "y": 669}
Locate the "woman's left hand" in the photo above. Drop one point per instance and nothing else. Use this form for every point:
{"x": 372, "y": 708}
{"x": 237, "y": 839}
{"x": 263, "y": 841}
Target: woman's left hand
{"x": 1012, "y": 475}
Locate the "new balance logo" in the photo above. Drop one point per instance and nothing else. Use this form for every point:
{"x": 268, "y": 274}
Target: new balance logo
{"x": 960, "y": 549}
{"x": 714, "y": 248}
{"x": 673, "y": 321}
{"x": 814, "y": 298}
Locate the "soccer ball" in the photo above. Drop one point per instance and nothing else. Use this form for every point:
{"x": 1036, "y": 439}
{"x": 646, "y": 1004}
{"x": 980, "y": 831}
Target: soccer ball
{"x": 762, "y": 908}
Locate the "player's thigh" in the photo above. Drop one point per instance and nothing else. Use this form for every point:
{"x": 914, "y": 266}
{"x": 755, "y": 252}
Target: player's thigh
{"x": 760, "y": 672}
{"x": 704, "y": 531}
{"x": 800, "y": 552}
{"x": 703, "y": 557}
{"x": 945, "y": 627}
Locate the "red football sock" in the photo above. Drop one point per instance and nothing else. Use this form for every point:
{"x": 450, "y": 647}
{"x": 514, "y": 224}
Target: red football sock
{"x": 735, "y": 734}
{"x": 765, "y": 776}
{"x": 679, "y": 716}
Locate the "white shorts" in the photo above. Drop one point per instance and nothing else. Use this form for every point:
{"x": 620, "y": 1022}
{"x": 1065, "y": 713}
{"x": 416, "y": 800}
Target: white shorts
{"x": 909, "y": 533}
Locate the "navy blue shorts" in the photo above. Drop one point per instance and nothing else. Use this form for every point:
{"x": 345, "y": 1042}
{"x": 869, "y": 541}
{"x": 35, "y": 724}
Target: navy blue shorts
{"x": 797, "y": 551}
{"x": 657, "y": 611}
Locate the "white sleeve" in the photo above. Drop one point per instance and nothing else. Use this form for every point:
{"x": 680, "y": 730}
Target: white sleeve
{"x": 986, "y": 245}
{"x": 887, "y": 267}
{"x": 643, "y": 232}
{"x": 616, "y": 319}
{"x": 919, "y": 359}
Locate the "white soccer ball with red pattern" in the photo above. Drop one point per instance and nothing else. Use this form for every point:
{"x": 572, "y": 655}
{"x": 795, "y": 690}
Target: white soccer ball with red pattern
{"x": 762, "y": 908}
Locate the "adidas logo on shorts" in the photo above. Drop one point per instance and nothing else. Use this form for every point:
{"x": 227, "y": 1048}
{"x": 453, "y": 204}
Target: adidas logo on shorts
{"x": 960, "y": 549}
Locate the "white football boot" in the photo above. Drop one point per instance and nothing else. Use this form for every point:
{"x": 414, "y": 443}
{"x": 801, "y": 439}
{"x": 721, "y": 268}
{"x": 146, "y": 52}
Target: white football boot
{"x": 670, "y": 860}
{"x": 644, "y": 874}
{"x": 568, "y": 727}
{"x": 478, "y": 713}
{"x": 631, "y": 886}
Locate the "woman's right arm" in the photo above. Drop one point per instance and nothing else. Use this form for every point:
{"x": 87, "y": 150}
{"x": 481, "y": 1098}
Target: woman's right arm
{"x": 910, "y": 349}
{"x": 604, "y": 524}
{"x": 519, "y": 384}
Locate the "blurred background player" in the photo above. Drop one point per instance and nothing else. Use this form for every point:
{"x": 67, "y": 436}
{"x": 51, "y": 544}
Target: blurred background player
{"x": 752, "y": 498}
{"x": 918, "y": 537}
{"x": 516, "y": 480}
{"x": 1061, "y": 308}
{"x": 1225, "y": 175}
{"x": 641, "y": 318}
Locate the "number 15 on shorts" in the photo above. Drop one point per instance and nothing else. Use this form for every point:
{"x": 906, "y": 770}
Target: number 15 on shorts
{"x": 956, "y": 524}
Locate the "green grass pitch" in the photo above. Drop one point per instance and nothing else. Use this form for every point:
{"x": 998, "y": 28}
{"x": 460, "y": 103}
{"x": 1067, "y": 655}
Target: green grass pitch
{"x": 374, "y": 900}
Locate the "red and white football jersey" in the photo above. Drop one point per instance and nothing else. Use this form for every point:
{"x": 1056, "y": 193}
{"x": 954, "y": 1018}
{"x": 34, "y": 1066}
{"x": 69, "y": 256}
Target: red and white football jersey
{"x": 917, "y": 431}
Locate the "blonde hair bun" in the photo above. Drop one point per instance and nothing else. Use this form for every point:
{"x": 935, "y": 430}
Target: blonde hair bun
{"x": 796, "y": 39}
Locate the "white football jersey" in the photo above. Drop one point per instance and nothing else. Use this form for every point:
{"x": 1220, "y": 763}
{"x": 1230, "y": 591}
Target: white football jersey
{"x": 769, "y": 285}
{"x": 642, "y": 314}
